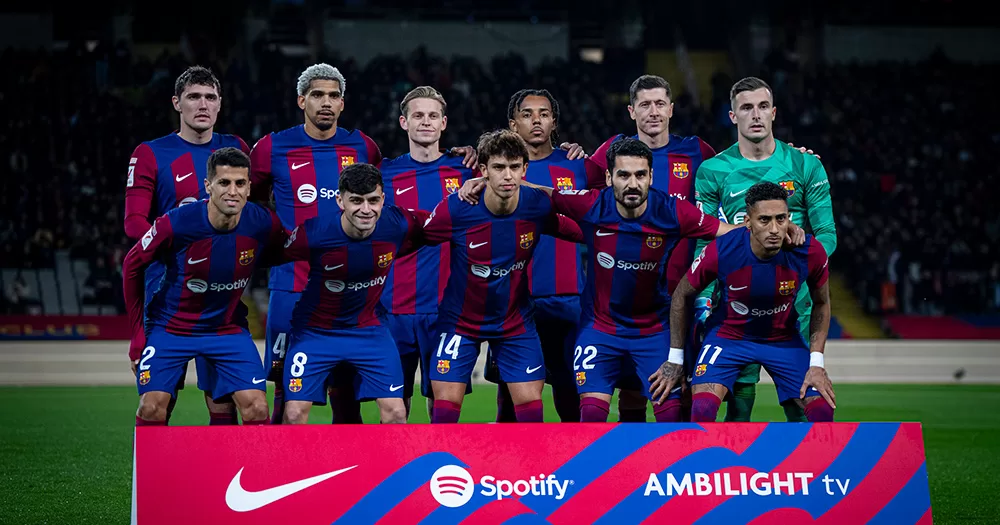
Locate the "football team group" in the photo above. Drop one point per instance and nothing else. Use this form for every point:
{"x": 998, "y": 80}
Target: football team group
{"x": 569, "y": 269}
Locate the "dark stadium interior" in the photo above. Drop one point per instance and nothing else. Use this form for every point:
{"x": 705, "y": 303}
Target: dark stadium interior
{"x": 906, "y": 144}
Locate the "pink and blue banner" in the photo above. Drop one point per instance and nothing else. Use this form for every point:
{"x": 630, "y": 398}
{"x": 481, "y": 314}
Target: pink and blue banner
{"x": 524, "y": 474}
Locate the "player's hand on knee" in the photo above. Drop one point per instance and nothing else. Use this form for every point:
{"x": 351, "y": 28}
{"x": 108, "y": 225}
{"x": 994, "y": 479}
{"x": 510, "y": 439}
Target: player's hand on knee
{"x": 817, "y": 378}
{"x": 663, "y": 381}
{"x": 805, "y": 150}
{"x": 573, "y": 150}
{"x": 471, "y": 157}
{"x": 795, "y": 236}
{"x": 469, "y": 192}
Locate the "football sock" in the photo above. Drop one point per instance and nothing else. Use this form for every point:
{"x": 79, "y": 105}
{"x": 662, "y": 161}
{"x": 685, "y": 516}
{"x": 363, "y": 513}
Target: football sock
{"x": 346, "y": 409}
{"x": 705, "y": 407}
{"x": 140, "y": 422}
{"x": 222, "y": 418}
{"x": 530, "y": 412}
{"x": 631, "y": 415}
{"x": 279, "y": 405}
{"x": 445, "y": 411}
{"x": 593, "y": 410}
{"x": 819, "y": 411}
{"x": 567, "y": 403}
{"x": 793, "y": 412}
{"x": 740, "y": 403}
{"x": 668, "y": 412}
{"x": 505, "y": 405}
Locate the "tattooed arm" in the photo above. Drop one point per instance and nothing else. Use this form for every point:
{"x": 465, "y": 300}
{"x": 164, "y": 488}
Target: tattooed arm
{"x": 671, "y": 372}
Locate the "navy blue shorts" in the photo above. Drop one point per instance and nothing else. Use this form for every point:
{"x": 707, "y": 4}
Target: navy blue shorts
{"x": 601, "y": 360}
{"x": 414, "y": 335}
{"x": 519, "y": 358}
{"x": 720, "y": 361}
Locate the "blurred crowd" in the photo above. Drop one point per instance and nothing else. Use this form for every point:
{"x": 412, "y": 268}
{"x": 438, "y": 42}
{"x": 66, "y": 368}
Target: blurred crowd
{"x": 906, "y": 147}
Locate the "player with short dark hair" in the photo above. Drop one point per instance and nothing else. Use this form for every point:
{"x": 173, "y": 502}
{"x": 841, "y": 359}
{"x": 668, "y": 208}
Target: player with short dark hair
{"x": 556, "y": 270}
{"x": 419, "y": 180}
{"x": 209, "y": 250}
{"x": 757, "y": 315}
{"x": 723, "y": 183}
{"x": 169, "y": 172}
{"x": 486, "y": 299}
{"x": 349, "y": 253}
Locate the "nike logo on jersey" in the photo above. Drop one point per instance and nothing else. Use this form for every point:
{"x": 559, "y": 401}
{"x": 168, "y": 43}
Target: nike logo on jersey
{"x": 297, "y": 166}
{"x": 178, "y": 178}
{"x": 393, "y": 388}
{"x": 731, "y": 288}
{"x": 242, "y": 500}
{"x": 532, "y": 370}
{"x": 192, "y": 261}
{"x": 257, "y": 381}
{"x": 604, "y": 234}
{"x": 332, "y": 268}
{"x": 474, "y": 245}
{"x": 731, "y": 194}
{"x": 401, "y": 191}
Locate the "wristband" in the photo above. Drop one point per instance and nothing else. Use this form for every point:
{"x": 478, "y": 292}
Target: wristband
{"x": 676, "y": 356}
{"x": 816, "y": 359}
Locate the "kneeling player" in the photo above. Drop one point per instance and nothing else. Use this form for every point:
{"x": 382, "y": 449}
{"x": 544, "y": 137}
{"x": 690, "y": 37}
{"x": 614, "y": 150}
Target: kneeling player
{"x": 209, "y": 249}
{"x": 350, "y": 254}
{"x": 758, "y": 279}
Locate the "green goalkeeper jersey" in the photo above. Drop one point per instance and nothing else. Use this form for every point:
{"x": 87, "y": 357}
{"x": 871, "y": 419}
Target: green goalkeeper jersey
{"x": 722, "y": 182}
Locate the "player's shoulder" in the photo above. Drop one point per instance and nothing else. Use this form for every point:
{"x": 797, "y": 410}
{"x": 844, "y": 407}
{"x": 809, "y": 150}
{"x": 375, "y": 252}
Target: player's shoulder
{"x": 798, "y": 162}
{"x": 188, "y": 215}
{"x": 257, "y": 214}
{"x": 724, "y": 160}
{"x": 290, "y": 135}
{"x": 690, "y": 144}
{"x": 537, "y": 198}
{"x": 229, "y": 140}
{"x": 401, "y": 163}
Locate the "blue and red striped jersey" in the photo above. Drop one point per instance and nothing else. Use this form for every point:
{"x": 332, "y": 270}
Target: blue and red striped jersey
{"x": 487, "y": 293}
{"x": 206, "y": 271}
{"x": 626, "y": 292}
{"x": 417, "y": 281}
{"x": 674, "y": 168}
{"x": 164, "y": 174}
{"x": 304, "y": 174}
{"x": 758, "y": 296}
{"x": 346, "y": 275}
{"x": 556, "y": 268}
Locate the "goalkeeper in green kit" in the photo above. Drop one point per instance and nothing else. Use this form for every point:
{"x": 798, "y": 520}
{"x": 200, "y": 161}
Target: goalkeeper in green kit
{"x": 723, "y": 180}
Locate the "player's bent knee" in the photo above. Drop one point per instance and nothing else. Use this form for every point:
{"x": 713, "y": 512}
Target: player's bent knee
{"x": 392, "y": 410}
{"x": 720, "y": 391}
{"x": 297, "y": 412}
{"x": 526, "y": 392}
{"x": 445, "y": 391}
{"x": 153, "y": 406}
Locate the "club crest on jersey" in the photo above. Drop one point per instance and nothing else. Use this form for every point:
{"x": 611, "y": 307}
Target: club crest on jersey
{"x": 444, "y": 365}
{"x": 451, "y": 184}
{"x": 700, "y": 370}
{"x": 295, "y": 384}
{"x": 384, "y": 260}
{"x": 786, "y": 287}
{"x": 681, "y": 170}
{"x": 246, "y": 257}
{"x": 347, "y": 160}
{"x": 564, "y": 183}
{"x": 654, "y": 241}
{"x": 789, "y": 186}
{"x": 581, "y": 378}
{"x": 144, "y": 377}
{"x": 527, "y": 239}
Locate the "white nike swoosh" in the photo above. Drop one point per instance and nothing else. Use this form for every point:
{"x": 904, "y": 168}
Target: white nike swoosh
{"x": 737, "y": 289}
{"x": 393, "y": 388}
{"x": 532, "y": 370}
{"x": 242, "y": 500}
{"x": 604, "y": 234}
{"x": 477, "y": 245}
{"x": 404, "y": 190}
{"x": 297, "y": 166}
{"x": 258, "y": 381}
{"x": 178, "y": 178}
{"x": 192, "y": 261}
{"x": 332, "y": 268}
{"x": 731, "y": 194}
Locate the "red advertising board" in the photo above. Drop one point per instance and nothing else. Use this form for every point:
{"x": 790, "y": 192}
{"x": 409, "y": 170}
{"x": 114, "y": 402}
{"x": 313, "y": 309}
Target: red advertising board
{"x": 69, "y": 327}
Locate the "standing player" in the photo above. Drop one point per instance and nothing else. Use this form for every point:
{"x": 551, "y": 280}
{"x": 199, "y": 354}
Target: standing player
{"x": 556, "y": 272}
{"x": 486, "y": 299}
{"x": 723, "y": 182}
{"x": 350, "y": 253}
{"x": 209, "y": 250}
{"x": 169, "y": 172}
{"x": 676, "y": 159}
{"x": 419, "y": 180}
{"x": 758, "y": 322}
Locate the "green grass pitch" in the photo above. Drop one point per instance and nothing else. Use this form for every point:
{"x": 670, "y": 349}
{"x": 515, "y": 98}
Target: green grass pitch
{"x": 65, "y": 453}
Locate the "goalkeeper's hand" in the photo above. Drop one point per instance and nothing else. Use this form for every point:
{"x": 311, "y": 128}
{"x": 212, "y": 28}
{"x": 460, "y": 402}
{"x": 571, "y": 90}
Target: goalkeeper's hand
{"x": 702, "y": 309}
